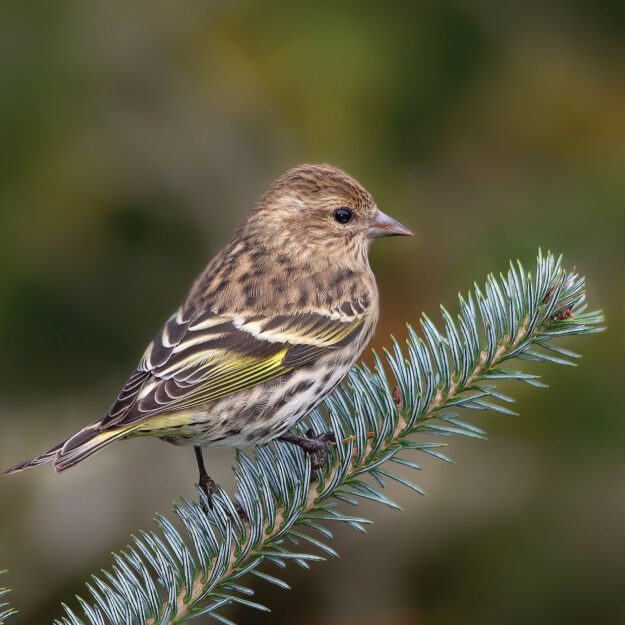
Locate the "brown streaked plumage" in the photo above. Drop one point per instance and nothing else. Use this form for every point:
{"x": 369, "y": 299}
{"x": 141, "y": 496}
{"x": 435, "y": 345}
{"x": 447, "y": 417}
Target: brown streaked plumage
{"x": 269, "y": 328}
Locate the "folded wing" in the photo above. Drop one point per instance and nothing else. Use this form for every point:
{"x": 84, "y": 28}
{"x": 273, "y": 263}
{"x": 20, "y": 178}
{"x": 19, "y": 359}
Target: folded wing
{"x": 200, "y": 359}
{"x": 197, "y": 358}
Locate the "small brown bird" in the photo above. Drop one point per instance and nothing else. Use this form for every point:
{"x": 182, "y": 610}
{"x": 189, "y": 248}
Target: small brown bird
{"x": 269, "y": 328}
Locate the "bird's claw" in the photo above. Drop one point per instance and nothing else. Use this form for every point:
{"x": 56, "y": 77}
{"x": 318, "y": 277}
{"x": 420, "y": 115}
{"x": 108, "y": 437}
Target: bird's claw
{"x": 316, "y": 446}
{"x": 318, "y": 449}
{"x": 209, "y": 488}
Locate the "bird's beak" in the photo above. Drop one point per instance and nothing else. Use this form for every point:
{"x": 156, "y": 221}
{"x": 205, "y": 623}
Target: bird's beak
{"x": 385, "y": 226}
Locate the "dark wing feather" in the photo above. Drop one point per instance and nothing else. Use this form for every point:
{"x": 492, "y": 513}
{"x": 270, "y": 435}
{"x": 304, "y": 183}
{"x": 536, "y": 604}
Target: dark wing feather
{"x": 199, "y": 358}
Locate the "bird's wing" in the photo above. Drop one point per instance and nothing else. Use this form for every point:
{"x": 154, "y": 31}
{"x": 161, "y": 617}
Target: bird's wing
{"x": 199, "y": 358}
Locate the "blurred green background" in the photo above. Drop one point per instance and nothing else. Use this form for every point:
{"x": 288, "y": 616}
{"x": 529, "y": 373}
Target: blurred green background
{"x": 134, "y": 135}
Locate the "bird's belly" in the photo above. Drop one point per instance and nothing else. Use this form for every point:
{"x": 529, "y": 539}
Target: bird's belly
{"x": 255, "y": 415}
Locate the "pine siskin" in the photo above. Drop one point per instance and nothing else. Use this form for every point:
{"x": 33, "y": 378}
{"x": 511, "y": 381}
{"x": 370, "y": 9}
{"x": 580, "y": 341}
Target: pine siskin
{"x": 267, "y": 331}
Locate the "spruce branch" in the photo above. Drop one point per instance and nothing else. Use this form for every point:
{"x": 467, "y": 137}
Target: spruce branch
{"x": 279, "y": 514}
{"x": 5, "y": 608}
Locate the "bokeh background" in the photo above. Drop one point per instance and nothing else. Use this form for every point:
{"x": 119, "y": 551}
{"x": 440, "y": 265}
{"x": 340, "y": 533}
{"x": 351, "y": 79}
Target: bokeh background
{"x": 135, "y": 134}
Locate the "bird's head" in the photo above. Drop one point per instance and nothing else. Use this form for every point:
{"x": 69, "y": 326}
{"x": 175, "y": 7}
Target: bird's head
{"x": 318, "y": 211}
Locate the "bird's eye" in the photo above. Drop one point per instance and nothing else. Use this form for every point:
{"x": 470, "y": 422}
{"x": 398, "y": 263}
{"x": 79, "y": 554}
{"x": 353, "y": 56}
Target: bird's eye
{"x": 342, "y": 215}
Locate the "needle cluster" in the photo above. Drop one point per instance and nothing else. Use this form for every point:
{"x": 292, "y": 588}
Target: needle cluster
{"x": 5, "y": 608}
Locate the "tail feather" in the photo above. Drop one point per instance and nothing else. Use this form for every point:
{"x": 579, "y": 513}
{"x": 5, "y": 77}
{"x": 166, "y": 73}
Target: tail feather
{"x": 85, "y": 444}
{"x": 47, "y": 456}
{"x": 75, "y": 449}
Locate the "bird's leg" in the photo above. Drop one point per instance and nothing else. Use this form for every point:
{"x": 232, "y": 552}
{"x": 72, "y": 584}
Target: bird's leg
{"x": 206, "y": 483}
{"x": 316, "y": 446}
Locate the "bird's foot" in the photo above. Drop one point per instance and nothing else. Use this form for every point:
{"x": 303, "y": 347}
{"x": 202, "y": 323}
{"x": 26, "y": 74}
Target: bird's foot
{"x": 208, "y": 487}
{"x": 314, "y": 445}
{"x": 318, "y": 448}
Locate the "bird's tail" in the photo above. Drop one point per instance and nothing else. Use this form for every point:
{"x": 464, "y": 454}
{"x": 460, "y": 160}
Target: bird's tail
{"x": 35, "y": 462}
{"x": 75, "y": 449}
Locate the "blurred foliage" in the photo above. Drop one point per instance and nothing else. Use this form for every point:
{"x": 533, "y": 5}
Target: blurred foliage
{"x": 134, "y": 136}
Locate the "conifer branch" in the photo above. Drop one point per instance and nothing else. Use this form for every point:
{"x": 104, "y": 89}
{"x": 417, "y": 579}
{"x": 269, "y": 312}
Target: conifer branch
{"x": 280, "y": 514}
